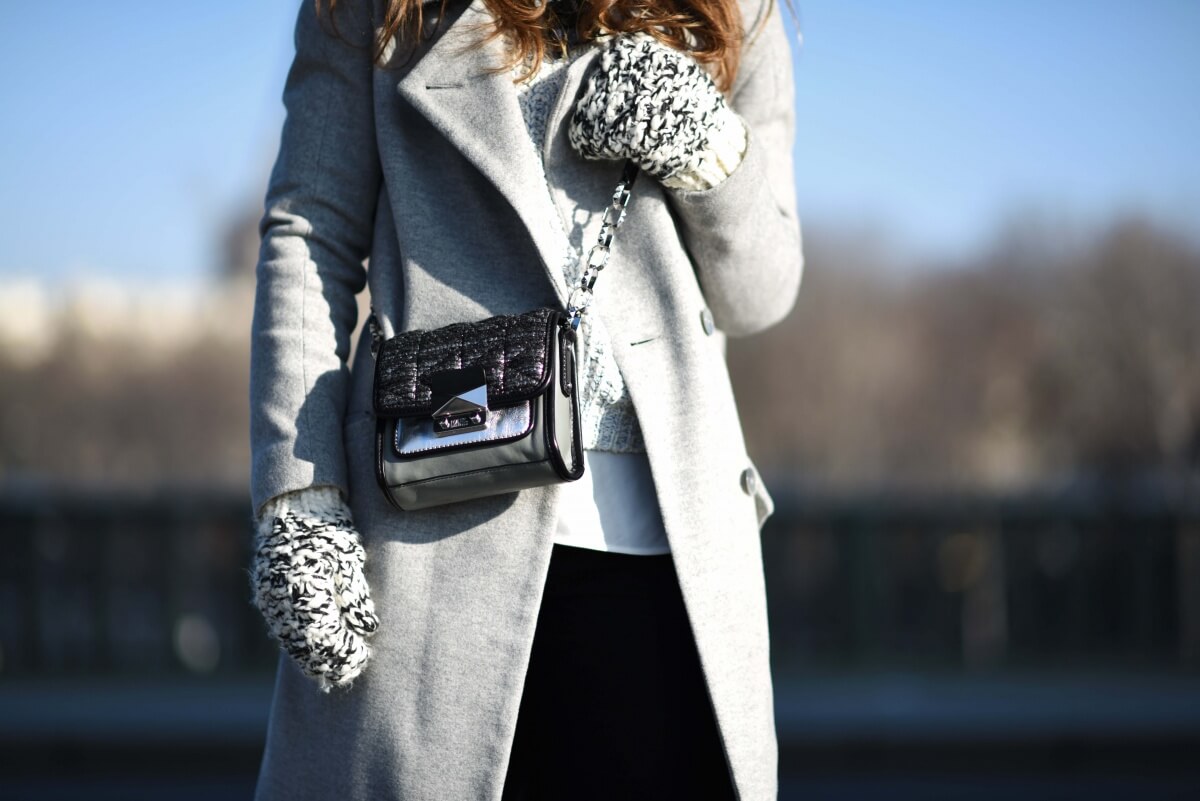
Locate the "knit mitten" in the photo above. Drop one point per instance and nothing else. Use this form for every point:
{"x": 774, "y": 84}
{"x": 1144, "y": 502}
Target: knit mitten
{"x": 307, "y": 581}
{"x": 656, "y": 105}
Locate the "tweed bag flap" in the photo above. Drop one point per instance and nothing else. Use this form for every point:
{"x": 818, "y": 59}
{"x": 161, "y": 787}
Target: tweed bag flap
{"x": 511, "y": 350}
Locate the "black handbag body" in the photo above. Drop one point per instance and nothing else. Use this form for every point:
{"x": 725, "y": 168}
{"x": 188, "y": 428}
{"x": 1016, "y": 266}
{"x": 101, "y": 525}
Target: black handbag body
{"x": 474, "y": 409}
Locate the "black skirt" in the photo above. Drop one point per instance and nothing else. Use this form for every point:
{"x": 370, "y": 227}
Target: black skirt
{"x": 615, "y": 704}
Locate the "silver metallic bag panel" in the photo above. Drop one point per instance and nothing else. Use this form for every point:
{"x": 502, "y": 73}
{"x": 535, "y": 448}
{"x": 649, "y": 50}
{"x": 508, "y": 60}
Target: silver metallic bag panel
{"x": 416, "y": 436}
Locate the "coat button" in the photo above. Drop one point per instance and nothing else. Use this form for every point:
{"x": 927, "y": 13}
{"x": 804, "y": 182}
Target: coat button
{"x": 706, "y": 321}
{"x": 749, "y": 481}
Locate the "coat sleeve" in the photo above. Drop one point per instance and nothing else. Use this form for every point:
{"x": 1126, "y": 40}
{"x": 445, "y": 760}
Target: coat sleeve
{"x": 743, "y": 234}
{"x": 315, "y": 234}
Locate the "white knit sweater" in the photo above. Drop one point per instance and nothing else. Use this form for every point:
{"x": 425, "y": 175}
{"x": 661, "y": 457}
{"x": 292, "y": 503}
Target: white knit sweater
{"x": 607, "y": 415}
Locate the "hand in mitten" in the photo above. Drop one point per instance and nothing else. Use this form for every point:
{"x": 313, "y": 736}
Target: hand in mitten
{"x": 656, "y": 105}
{"x": 307, "y": 580}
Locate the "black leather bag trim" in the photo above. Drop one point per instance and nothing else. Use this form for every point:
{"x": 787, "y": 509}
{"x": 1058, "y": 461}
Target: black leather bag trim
{"x": 567, "y": 360}
{"x": 554, "y": 445}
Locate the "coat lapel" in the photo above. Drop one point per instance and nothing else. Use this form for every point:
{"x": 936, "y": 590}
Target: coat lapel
{"x": 478, "y": 112}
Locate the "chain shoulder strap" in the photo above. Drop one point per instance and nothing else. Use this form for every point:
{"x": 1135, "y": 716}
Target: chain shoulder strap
{"x": 581, "y": 297}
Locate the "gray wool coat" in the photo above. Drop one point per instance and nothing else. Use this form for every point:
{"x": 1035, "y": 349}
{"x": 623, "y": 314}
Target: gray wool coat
{"x": 418, "y": 179}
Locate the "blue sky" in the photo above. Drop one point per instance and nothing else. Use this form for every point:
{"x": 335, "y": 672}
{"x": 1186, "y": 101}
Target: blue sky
{"x": 133, "y": 130}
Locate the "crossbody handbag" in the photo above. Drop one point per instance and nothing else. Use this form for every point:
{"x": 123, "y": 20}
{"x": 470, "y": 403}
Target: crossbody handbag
{"x": 473, "y": 409}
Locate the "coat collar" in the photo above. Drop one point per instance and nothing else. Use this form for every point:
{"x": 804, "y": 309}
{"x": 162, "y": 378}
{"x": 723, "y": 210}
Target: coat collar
{"x": 477, "y": 110}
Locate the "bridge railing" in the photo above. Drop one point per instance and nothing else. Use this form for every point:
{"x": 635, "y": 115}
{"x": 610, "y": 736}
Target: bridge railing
{"x": 1101, "y": 577}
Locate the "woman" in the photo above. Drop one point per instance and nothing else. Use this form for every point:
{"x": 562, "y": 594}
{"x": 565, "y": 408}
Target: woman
{"x": 605, "y": 639}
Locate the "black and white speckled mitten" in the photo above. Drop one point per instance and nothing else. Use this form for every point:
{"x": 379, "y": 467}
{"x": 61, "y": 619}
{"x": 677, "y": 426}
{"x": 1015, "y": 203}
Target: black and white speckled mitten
{"x": 307, "y": 581}
{"x": 656, "y": 105}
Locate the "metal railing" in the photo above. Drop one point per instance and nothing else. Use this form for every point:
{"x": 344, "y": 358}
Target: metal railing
{"x": 1103, "y": 577}
{"x": 1095, "y": 576}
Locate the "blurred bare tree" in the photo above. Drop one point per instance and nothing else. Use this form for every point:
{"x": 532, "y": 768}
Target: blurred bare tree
{"x": 1121, "y": 372}
{"x": 1046, "y": 356}
{"x": 1038, "y": 360}
{"x": 131, "y": 402}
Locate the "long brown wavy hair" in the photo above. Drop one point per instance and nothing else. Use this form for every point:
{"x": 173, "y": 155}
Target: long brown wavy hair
{"x": 711, "y": 30}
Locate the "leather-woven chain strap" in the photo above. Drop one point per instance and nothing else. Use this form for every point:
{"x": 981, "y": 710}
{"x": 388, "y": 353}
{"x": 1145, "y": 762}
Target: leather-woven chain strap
{"x": 597, "y": 258}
